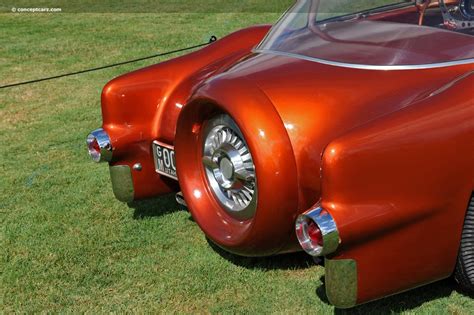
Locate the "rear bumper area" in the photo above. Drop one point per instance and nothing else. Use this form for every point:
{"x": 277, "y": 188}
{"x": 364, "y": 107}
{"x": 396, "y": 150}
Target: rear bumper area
{"x": 341, "y": 282}
{"x": 122, "y": 182}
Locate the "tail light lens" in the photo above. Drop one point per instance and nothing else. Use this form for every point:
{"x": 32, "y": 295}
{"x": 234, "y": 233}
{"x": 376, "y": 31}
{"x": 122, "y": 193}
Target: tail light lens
{"x": 99, "y": 146}
{"x": 317, "y": 232}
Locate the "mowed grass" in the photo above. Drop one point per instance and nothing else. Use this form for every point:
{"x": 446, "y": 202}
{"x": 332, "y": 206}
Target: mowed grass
{"x": 68, "y": 246}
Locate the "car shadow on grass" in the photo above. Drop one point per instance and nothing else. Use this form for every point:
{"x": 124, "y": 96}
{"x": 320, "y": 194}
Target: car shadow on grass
{"x": 293, "y": 261}
{"x": 405, "y": 301}
{"x": 154, "y": 207}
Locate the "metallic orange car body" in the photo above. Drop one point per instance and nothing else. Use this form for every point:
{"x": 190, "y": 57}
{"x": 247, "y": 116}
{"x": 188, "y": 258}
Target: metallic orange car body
{"x": 388, "y": 153}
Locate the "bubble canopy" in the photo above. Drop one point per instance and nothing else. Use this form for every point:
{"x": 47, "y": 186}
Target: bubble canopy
{"x": 378, "y": 34}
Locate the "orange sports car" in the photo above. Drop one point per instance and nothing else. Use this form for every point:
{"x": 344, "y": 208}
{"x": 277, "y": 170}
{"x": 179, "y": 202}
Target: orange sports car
{"x": 345, "y": 130}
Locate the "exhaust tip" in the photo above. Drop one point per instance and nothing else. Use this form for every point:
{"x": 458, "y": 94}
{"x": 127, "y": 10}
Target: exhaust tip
{"x": 180, "y": 199}
{"x": 317, "y": 232}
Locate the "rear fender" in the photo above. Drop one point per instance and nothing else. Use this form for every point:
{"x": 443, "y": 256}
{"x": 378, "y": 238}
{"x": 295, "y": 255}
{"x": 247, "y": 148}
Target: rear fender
{"x": 398, "y": 189}
{"x": 144, "y": 105}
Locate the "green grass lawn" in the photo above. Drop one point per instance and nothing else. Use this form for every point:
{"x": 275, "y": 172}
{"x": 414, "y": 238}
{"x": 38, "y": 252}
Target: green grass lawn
{"x": 68, "y": 246}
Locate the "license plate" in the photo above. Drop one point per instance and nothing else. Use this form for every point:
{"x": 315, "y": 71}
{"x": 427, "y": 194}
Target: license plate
{"x": 165, "y": 163}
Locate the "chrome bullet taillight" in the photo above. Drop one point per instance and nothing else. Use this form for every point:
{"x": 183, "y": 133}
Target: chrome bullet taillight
{"x": 317, "y": 232}
{"x": 99, "y": 146}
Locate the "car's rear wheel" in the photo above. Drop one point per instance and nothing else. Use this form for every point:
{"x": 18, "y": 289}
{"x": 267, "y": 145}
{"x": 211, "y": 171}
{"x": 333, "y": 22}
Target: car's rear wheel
{"x": 464, "y": 273}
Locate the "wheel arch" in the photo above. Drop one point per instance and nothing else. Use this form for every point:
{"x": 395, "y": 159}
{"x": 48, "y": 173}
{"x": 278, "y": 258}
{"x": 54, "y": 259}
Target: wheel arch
{"x": 271, "y": 228}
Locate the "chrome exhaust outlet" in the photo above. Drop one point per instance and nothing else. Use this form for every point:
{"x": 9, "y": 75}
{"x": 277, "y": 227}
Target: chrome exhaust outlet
{"x": 180, "y": 199}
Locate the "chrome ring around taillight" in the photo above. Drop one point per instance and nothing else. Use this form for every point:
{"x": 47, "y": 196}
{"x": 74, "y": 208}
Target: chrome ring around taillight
{"x": 99, "y": 146}
{"x": 229, "y": 167}
{"x": 327, "y": 228}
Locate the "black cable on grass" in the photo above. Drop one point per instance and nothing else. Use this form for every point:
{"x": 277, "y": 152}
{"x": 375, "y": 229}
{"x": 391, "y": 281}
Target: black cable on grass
{"x": 211, "y": 40}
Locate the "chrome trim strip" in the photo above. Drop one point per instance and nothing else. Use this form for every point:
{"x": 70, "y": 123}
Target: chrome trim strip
{"x": 366, "y": 67}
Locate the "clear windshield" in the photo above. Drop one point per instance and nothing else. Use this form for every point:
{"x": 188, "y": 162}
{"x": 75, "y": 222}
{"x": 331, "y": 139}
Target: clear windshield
{"x": 339, "y": 8}
{"x": 369, "y": 32}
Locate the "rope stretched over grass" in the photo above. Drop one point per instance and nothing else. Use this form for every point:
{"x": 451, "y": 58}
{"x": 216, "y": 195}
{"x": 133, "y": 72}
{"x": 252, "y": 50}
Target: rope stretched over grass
{"x": 211, "y": 40}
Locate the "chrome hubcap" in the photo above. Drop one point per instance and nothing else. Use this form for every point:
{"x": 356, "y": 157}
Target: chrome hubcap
{"x": 229, "y": 167}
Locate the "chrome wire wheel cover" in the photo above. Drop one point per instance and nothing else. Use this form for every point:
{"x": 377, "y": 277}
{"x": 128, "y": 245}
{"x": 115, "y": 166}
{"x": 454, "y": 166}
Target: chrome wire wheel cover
{"x": 229, "y": 167}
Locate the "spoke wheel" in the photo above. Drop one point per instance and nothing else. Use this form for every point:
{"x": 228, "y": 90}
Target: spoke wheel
{"x": 229, "y": 167}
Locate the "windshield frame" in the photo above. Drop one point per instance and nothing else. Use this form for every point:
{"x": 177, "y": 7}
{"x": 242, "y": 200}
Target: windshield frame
{"x": 367, "y": 66}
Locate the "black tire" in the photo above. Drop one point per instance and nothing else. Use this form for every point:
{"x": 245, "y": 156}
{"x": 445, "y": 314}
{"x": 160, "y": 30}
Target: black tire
{"x": 464, "y": 273}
